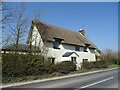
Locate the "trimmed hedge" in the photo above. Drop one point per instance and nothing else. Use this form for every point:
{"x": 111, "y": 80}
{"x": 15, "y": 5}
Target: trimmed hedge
{"x": 16, "y": 65}
{"x": 96, "y": 64}
{"x": 21, "y": 65}
{"x": 100, "y": 64}
{"x": 87, "y": 65}
{"x": 65, "y": 67}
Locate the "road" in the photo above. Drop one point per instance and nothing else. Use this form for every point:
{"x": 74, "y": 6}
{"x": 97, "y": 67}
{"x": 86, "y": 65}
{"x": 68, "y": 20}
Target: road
{"x": 104, "y": 79}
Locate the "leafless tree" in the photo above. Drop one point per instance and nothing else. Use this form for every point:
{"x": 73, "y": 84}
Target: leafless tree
{"x": 109, "y": 56}
{"x": 19, "y": 25}
{"x": 5, "y": 17}
{"x": 5, "y": 13}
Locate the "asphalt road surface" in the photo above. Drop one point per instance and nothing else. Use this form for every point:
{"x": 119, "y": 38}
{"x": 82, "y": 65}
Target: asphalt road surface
{"x": 105, "y": 79}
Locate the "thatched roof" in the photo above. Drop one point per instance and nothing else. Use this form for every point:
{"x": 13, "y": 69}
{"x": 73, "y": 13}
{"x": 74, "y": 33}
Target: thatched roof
{"x": 49, "y": 32}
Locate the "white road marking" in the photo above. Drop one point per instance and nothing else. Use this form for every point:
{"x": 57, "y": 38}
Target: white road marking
{"x": 97, "y": 82}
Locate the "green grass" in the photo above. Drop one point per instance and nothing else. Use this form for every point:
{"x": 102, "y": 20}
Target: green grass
{"x": 113, "y": 66}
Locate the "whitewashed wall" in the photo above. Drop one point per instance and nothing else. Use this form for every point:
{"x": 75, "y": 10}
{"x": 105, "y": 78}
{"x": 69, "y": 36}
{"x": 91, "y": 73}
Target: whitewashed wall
{"x": 36, "y": 38}
{"x": 57, "y": 53}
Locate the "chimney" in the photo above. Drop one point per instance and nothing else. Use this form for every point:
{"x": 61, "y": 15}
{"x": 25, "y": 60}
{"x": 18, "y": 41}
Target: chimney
{"x": 99, "y": 51}
{"x": 82, "y": 32}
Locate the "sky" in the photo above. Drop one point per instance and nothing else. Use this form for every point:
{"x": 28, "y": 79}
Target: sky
{"x": 98, "y": 19}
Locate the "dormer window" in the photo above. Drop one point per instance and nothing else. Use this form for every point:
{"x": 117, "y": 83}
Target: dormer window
{"x": 56, "y": 43}
{"x": 85, "y": 49}
{"x": 86, "y": 46}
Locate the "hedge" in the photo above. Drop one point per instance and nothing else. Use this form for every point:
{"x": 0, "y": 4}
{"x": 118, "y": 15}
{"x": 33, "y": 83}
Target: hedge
{"x": 65, "y": 67}
{"x": 96, "y": 64}
{"x": 100, "y": 64}
{"x": 20, "y": 65}
{"x": 16, "y": 65}
{"x": 87, "y": 65}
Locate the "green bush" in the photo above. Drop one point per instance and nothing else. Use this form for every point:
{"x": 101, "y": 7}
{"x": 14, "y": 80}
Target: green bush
{"x": 118, "y": 61}
{"x": 20, "y": 65}
{"x": 65, "y": 67}
{"x": 100, "y": 64}
{"x": 87, "y": 65}
{"x": 17, "y": 65}
{"x": 96, "y": 64}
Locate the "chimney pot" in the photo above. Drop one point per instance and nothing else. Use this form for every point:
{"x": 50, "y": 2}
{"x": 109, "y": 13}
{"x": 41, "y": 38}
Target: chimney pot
{"x": 82, "y": 32}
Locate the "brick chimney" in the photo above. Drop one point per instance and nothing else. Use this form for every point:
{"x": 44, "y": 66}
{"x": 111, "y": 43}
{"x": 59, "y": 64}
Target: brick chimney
{"x": 82, "y": 32}
{"x": 99, "y": 51}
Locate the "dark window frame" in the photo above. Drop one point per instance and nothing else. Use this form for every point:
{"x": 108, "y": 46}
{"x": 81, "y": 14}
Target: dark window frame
{"x": 73, "y": 59}
{"x": 85, "y": 60}
{"x": 53, "y": 60}
{"x": 85, "y": 49}
{"x": 56, "y": 44}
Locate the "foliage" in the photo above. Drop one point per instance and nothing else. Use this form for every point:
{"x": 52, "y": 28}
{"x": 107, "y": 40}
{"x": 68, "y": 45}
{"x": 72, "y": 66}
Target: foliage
{"x": 110, "y": 56}
{"x": 87, "y": 65}
{"x": 100, "y": 64}
{"x": 65, "y": 67}
{"x": 24, "y": 65}
{"x": 96, "y": 64}
{"x": 16, "y": 65}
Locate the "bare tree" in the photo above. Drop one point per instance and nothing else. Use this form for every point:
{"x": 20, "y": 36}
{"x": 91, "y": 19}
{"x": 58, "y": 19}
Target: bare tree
{"x": 37, "y": 14}
{"x": 5, "y": 12}
{"x": 5, "y": 17}
{"x": 109, "y": 56}
{"x": 19, "y": 26}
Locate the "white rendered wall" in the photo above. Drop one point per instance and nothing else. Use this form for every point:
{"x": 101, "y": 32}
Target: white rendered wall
{"x": 57, "y": 53}
{"x": 36, "y": 38}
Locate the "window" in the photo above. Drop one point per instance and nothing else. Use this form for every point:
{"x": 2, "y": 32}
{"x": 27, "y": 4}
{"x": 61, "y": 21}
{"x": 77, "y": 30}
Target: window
{"x": 92, "y": 50}
{"x": 77, "y": 48}
{"x": 73, "y": 59}
{"x": 56, "y": 44}
{"x": 85, "y": 49}
{"x": 85, "y": 60}
{"x": 82, "y": 49}
{"x": 53, "y": 60}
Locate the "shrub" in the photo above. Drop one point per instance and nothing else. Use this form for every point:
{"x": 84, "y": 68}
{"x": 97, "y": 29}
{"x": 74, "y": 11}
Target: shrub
{"x": 100, "y": 64}
{"x": 17, "y": 65}
{"x": 110, "y": 56}
{"x": 87, "y": 65}
{"x": 65, "y": 67}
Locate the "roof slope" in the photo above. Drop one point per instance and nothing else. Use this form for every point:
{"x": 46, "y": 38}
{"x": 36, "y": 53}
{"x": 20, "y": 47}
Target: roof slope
{"x": 67, "y": 54}
{"x": 70, "y": 37}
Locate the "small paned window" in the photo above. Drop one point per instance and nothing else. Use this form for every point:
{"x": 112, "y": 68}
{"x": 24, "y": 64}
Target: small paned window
{"x": 56, "y": 44}
{"x": 85, "y": 60}
{"x": 73, "y": 59}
